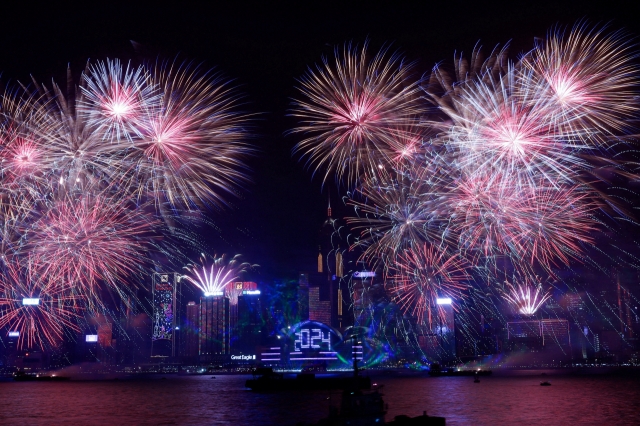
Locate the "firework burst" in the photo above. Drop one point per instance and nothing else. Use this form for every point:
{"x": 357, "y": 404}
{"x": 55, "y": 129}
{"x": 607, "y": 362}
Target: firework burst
{"x": 213, "y": 276}
{"x": 192, "y": 145}
{"x": 525, "y": 299}
{"x": 422, "y": 275}
{"x": 35, "y": 306}
{"x": 353, "y": 108}
{"x": 590, "y": 77}
{"x": 116, "y": 98}
{"x": 87, "y": 241}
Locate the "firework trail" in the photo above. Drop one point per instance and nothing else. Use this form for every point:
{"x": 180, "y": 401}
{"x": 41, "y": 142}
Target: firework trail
{"x": 525, "y": 299}
{"x": 213, "y": 276}
{"x": 36, "y": 306}
{"x": 420, "y": 276}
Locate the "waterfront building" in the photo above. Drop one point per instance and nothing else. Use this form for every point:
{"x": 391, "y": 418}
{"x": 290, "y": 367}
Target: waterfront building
{"x": 248, "y": 327}
{"x": 545, "y": 335}
{"x": 214, "y": 328}
{"x": 191, "y": 331}
{"x": 164, "y": 288}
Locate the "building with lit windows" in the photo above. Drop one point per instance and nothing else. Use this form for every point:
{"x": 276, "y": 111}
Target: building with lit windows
{"x": 214, "y": 328}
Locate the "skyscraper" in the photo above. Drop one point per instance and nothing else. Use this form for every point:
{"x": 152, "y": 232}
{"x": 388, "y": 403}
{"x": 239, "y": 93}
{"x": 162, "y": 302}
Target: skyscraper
{"x": 191, "y": 331}
{"x": 249, "y": 323}
{"x": 164, "y": 288}
{"x": 214, "y": 327}
{"x": 328, "y": 283}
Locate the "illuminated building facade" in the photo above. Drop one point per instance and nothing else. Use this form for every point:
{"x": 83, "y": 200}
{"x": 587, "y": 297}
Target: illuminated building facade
{"x": 164, "y": 288}
{"x": 248, "y": 328}
{"x": 214, "y": 327}
{"x": 191, "y": 331}
{"x": 233, "y": 291}
{"x": 438, "y": 338}
{"x": 319, "y": 310}
{"x": 329, "y": 278}
{"x": 549, "y": 335}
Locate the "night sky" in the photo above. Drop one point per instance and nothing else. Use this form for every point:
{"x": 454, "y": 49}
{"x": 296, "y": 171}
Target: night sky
{"x": 264, "y": 47}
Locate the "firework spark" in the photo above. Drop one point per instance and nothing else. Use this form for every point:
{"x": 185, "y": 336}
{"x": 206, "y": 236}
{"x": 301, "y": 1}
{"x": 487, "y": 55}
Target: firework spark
{"x": 525, "y": 299}
{"x": 353, "y": 108}
{"x": 192, "y": 145}
{"x": 35, "y": 306}
{"x": 213, "y": 276}
{"x": 422, "y": 275}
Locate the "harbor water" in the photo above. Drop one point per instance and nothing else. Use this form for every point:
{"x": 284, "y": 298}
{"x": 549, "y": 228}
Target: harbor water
{"x": 223, "y": 400}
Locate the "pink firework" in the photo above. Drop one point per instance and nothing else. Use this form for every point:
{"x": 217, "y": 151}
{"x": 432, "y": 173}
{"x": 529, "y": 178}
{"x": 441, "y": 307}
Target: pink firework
{"x": 484, "y": 214}
{"x": 35, "y": 306}
{"x": 535, "y": 221}
{"x": 498, "y": 124}
{"x": 116, "y": 98}
{"x": 192, "y": 147}
{"x": 91, "y": 240}
{"x": 398, "y": 209}
{"x": 555, "y": 224}
{"x": 24, "y": 152}
{"x": 589, "y": 75}
{"x": 422, "y": 275}
{"x": 351, "y": 109}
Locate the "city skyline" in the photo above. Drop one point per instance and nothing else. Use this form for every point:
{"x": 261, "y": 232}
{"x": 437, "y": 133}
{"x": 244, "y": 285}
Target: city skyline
{"x": 273, "y": 220}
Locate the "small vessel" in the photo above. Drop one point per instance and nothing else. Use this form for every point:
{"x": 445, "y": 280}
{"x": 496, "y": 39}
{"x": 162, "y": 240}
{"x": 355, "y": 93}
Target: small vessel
{"x": 545, "y": 383}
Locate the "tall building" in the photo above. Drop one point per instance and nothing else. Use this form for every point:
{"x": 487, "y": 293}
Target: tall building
{"x": 233, "y": 291}
{"x": 535, "y": 335}
{"x": 329, "y": 278}
{"x": 191, "y": 331}
{"x": 319, "y": 310}
{"x": 214, "y": 327}
{"x": 164, "y": 289}
{"x": 303, "y": 297}
{"x": 437, "y": 338}
{"x": 249, "y": 323}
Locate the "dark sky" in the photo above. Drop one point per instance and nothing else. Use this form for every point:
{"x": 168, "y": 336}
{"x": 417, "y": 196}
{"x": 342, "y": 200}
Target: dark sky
{"x": 265, "y": 46}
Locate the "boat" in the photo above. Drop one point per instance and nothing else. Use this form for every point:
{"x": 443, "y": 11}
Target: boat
{"x": 545, "y": 383}
{"x": 266, "y": 380}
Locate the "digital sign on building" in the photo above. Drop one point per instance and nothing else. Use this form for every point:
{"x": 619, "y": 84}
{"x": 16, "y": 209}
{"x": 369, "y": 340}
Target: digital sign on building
{"x": 164, "y": 308}
{"x": 313, "y": 341}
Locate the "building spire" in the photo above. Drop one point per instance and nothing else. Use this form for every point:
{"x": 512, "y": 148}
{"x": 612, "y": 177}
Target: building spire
{"x": 329, "y": 204}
